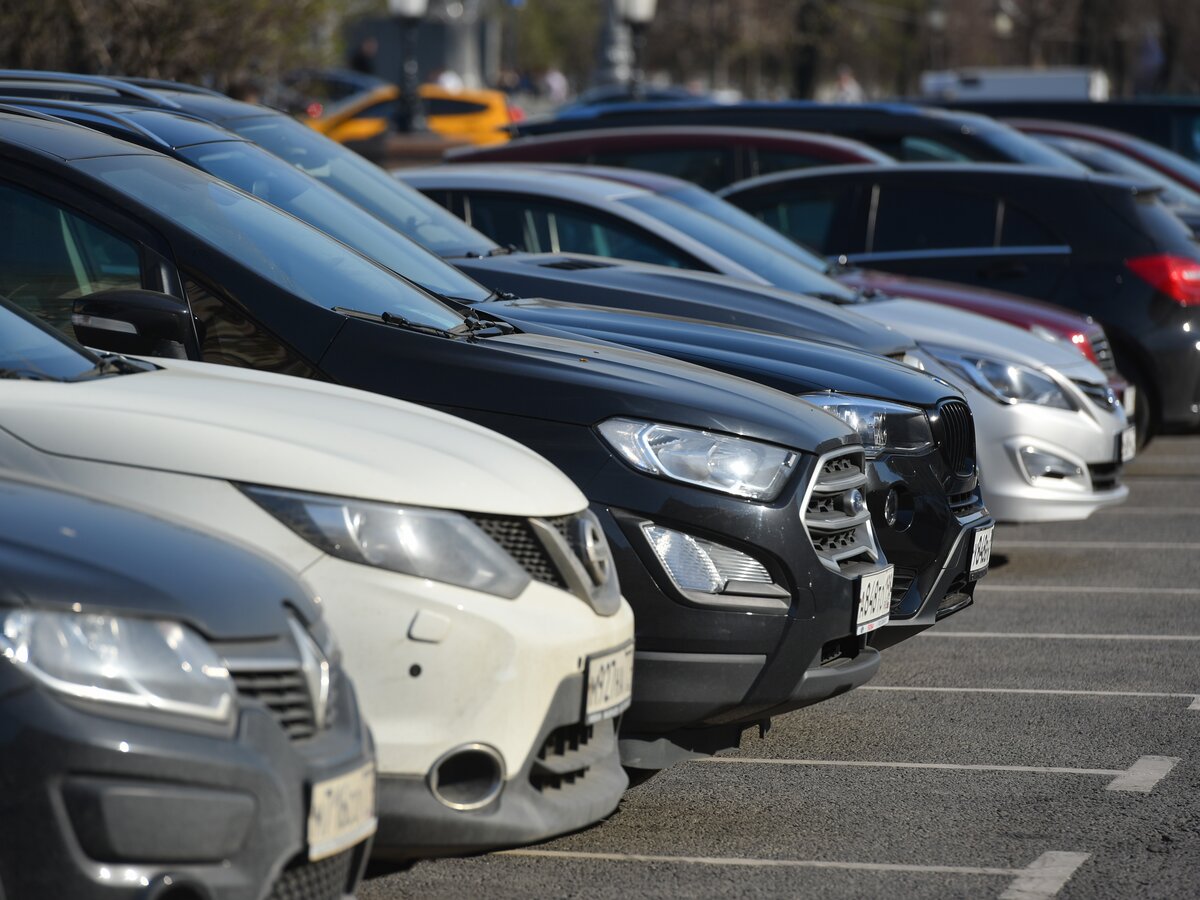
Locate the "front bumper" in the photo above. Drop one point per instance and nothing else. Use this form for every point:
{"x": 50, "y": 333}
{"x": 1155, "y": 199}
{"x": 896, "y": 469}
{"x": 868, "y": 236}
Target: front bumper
{"x": 99, "y": 807}
{"x": 571, "y": 779}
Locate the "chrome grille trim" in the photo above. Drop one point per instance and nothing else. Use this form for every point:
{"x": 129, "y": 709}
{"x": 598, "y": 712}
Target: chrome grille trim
{"x": 1100, "y": 394}
{"x": 840, "y": 536}
{"x": 1103, "y": 351}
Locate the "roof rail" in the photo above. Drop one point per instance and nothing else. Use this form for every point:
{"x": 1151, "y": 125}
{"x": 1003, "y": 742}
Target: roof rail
{"x": 30, "y": 113}
{"x": 14, "y": 104}
{"x": 121, "y": 88}
{"x": 163, "y": 84}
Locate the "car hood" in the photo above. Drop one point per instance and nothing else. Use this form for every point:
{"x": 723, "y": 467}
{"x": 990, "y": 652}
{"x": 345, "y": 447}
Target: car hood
{"x": 930, "y": 323}
{"x": 788, "y": 364}
{"x": 694, "y": 295}
{"x": 552, "y": 378}
{"x": 69, "y": 552}
{"x": 1020, "y": 311}
{"x": 255, "y": 427}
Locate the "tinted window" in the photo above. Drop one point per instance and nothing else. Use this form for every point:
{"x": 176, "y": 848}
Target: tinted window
{"x": 280, "y": 248}
{"x": 1020, "y": 229}
{"x": 443, "y": 106}
{"x": 49, "y": 256}
{"x": 926, "y": 218}
{"x": 805, "y": 215}
{"x": 364, "y": 183}
{"x": 269, "y": 178}
{"x": 710, "y": 167}
{"x": 27, "y": 347}
{"x": 926, "y": 149}
{"x": 565, "y": 228}
{"x": 768, "y": 161}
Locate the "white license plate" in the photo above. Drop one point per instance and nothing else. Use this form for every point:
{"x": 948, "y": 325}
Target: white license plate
{"x": 342, "y": 812}
{"x": 1129, "y": 401}
{"x": 874, "y": 600}
{"x": 981, "y": 553}
{"x": 1128, "y": 443}
{"x": 609, "y": 680}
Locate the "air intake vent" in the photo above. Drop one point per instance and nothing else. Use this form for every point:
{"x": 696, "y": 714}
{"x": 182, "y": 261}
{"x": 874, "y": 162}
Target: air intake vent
{"x": 573, "y": 264}
{"x": 955, "y": 434}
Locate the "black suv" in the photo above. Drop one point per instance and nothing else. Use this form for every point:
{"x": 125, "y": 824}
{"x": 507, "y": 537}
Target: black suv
{"x": 1100, "y": 245}
{"x": 148, "y": 751}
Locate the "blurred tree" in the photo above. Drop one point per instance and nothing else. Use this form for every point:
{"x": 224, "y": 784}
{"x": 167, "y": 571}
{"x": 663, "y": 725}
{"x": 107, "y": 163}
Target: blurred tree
{"x": 559, "y": 34}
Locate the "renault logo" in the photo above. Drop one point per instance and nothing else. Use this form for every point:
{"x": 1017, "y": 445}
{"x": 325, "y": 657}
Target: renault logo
{"x": 593, "y": 548}
{"x": 315, "y": 668}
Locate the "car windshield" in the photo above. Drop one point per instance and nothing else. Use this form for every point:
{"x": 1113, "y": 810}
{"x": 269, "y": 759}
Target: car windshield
{"x": 30, "y": 350}
{"x": 768, "y": 263}
{"x": 1016, "y": 147}
{"x": 277, "y": 246}
{"x": 1105, "y": 159}
{"x": 269, "y": 178}
{"x": 364, "y": 183}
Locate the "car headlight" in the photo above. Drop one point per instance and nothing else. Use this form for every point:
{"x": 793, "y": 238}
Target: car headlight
{"x": 883, "y": 426}
{"x": 1003, "y": 380}
{"x": 145, "y": 664}
{"x": 427, "y": 543}
{"x": 732, "y": 465}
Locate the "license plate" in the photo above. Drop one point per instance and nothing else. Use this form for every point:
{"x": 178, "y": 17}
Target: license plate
{"x": 1129, "y": 401}
{"x": 342, "y": 812}
{"x": 1128, "y": 443}
{"x": 874, "y": 600}
{"x": 981, "y": 553}
{"x": 609, "y": 680}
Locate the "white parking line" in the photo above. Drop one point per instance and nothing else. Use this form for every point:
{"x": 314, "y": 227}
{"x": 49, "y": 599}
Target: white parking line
{"x": 1056, "y": 636}
{"x": 1149, "y": 511}
{"x": 1141, "y": 777}
{"x": 1001, "y": 545}
{"x": 1043, "y": 878}
{"x": 1085, "y": 589}
{"x": 1194, "y": 698}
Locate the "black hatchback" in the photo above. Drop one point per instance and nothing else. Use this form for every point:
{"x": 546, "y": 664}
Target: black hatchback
{"x": 142, "y": 752}
{"x": 1100, "y": 245}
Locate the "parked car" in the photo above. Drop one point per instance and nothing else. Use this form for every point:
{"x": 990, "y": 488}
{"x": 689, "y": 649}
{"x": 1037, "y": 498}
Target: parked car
{"x": 931, "y": 586}
{"x": 623, "y": 93}
{"x": 903, "y": 131}
{"x": 174, "y": 705}
{"x": 1171, "y": 122}
{"x": 490, "y": 627}
{"x": 1179, "y": 199}
{"x": 710, "y": 156}
{"x": 1167, "y": 162}
{"x": 683, "y": 467}
{"x": 1099, "y": 245}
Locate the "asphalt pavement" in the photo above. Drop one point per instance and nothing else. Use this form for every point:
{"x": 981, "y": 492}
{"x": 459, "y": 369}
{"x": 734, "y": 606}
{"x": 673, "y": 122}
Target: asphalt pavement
{"x": 1043, "y": 743}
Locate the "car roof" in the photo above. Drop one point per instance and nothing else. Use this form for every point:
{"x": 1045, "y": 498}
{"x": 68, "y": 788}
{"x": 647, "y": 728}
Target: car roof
{"x": 158, "y": 128}
{"x": 527, "y": 177}
{"x": 48, "y": 136}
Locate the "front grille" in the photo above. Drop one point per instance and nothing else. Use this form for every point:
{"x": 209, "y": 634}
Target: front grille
{"x": 326, "y": 879}
{"x": 840, "y": 534}
{"x": 1100, "y": 394}
{"x": 1105, "y": 476}
{"x": 285, "y": 694}
{"x": 1103, "y": 351}
{"x": 966, "y": 503}
{"x": 563, "y": 758}
{"x": 902, "y": 580}
{"x": 955, "y": 434}
{"x": 517, "y": 538}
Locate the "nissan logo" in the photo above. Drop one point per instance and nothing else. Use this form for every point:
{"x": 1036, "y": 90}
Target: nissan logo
{"x": 597, "y": 558}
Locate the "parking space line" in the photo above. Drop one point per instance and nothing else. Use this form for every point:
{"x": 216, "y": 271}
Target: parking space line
{"x": 1085, "y": 589}
{"x": 1045, "y": 876}
{"x": 1002, "y": 544}
{"x": 1040, "y": 880}
{"x": 1149, "y": 511}
{"x": 1064, "y": 692}
{"x": 1058, "y": 636}
{"x": 1140, "y": 777}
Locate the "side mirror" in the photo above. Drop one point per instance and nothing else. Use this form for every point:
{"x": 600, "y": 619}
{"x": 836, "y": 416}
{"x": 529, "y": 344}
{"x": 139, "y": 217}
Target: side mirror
{"x": 137, "y": 322}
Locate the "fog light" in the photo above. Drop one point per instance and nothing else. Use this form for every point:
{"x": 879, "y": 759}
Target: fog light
{"x": 698, "y": 565}
{"x": 1040, "y": 464}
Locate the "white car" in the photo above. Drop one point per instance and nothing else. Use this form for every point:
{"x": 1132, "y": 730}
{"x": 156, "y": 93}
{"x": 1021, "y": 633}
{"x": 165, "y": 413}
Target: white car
{"x": 1051, "y": 435}
{"x": 431, "y": 541}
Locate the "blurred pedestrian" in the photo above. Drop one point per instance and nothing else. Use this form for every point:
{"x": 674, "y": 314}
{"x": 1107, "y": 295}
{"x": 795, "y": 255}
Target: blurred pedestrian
{"x": 847, "y": 89}
{"x": 363, "y": 57}
{"x": 554, "y": 82}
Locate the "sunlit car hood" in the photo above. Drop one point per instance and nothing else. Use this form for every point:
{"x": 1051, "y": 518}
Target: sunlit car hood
{"x": 255, "y": 427}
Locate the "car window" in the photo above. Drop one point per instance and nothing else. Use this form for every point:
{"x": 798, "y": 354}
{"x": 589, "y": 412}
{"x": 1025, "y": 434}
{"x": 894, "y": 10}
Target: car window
{"x": 56, "y": 256}
{"x": 385, "y": 110}
{"x": 26, "y": 346}
{"x": 364, "y": 183}
{"x": 927, "y": 149}
{"x": 709, "y": 167}
{"x": 924, "y": 218}
{"x": 767, "y": 161}
{"x": 548, "y": 227}
{"x": 806, "y": 215}
{"x": 295, "y": 256}
{"x": 444, "y": 106}
{"x": 1020, "y": 229}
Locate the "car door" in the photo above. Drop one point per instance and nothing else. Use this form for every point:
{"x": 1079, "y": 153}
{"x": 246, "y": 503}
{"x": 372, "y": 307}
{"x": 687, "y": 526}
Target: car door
{"x": 539, "y": 225}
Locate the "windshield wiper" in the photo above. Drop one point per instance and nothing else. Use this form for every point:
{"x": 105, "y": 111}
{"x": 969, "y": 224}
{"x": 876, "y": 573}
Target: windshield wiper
{"x": 396, "y": 321}
{"x": 475, "y": 325}
{"x": 111, "y": 364}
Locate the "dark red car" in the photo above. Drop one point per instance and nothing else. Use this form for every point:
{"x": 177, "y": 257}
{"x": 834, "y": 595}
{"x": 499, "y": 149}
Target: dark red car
{"x": 710, "y": 156}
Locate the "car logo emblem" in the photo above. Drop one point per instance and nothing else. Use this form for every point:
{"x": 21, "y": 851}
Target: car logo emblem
{"x": 315, "y": 668}
{"x": 593, "y": 548}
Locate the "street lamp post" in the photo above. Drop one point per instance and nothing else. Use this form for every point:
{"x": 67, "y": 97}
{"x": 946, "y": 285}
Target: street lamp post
{"x": 410, "y": 13}
{"x": 637, "y": 14}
